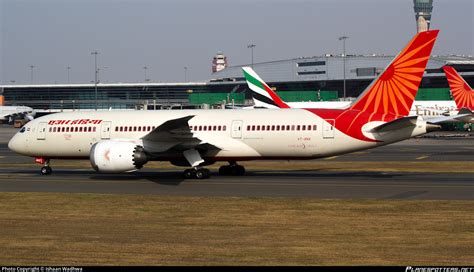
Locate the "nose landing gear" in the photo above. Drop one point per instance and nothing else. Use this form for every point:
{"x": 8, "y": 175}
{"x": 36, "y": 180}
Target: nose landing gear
{"x": 46, "y": 169}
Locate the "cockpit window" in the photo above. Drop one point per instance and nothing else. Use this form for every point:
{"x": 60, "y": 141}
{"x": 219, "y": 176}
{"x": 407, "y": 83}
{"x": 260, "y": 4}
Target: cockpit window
{"x": 23, "y": 129}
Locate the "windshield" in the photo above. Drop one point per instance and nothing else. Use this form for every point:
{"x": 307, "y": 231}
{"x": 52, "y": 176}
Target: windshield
{"x": 23, "y": 129}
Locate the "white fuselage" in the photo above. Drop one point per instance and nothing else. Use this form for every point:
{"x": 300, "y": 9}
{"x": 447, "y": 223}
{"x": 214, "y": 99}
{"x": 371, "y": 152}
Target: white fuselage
{"x": 236, "y": 134}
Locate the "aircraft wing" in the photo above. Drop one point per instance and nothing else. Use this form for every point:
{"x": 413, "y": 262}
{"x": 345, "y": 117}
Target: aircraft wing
{"x": 171, "y": 130}
{"x": 175, "y": 135}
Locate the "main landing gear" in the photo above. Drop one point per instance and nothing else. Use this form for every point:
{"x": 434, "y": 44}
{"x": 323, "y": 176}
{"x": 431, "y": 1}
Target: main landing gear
{"x": 195, "y": 159}
{"x": 233, "y": 169}
{"x": 46, "y": 169}
{"x": 197, "y": 173}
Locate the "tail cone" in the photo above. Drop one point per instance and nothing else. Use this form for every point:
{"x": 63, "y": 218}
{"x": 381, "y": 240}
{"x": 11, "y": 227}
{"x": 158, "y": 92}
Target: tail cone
{"x": 432, "y": 127}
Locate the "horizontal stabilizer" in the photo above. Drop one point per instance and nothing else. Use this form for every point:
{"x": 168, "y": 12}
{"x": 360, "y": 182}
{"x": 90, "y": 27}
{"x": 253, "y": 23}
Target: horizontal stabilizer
{"x": 396, "y": 124}
{"x": 449, "y": 119}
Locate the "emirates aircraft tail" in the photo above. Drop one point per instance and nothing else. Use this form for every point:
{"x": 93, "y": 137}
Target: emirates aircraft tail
{"x": 263, "y": 96}
{"x": 462, "y": 93}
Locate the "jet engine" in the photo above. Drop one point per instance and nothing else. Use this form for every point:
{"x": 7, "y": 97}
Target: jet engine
{"x": 111, "y": 156}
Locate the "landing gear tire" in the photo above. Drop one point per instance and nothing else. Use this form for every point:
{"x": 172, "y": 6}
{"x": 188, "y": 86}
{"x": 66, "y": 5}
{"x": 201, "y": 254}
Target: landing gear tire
{"x": 189, "y": 173}
{"x": 232, "y": 170}
{"x": 46, "y": 170}
{"x": 240, "y": 170}
{"x": 224, "y": 170}
{"x": 201, "y": 173}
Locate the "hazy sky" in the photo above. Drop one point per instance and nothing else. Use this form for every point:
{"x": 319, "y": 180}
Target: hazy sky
{"x": 168, "y": 35}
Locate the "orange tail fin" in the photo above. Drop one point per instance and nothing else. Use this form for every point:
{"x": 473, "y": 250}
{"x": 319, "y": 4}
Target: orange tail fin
{"x": 462, "y": 93}
{"x": 394, "y": 91}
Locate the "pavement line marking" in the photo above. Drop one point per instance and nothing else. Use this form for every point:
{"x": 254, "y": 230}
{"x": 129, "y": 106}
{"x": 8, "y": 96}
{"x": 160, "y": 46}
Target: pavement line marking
{"x": 267, "y": 184}
{"x": 331, "y": 158}
{"x": 422, "y": 157}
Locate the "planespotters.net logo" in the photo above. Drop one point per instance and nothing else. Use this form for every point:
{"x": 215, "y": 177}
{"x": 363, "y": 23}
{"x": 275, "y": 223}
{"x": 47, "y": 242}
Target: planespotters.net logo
{"x": 438, "y": 269}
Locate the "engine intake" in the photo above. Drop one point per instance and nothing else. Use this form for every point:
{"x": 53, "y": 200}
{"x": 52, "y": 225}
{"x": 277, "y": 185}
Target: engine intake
{"x": 113, "y": 156}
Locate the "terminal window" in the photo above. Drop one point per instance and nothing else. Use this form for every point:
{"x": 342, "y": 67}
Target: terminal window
{"x": 311, "y": 63}
{"x": 311, "y": 73}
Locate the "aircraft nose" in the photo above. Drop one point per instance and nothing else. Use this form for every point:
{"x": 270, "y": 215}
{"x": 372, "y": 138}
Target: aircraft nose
{"x": 14, "y": 144}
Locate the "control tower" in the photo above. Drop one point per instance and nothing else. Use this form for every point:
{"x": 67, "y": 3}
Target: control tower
{"x": 219, "y": 62}
{"x": 423, "y": 10}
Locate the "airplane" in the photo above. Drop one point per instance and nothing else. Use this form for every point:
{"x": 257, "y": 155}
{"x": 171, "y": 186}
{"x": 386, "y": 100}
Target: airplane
{"x": 117, "y": 142}
{"x": 10, "y": 113}
{"x": 462, "y": 93}
{"x": 267, "y": 98}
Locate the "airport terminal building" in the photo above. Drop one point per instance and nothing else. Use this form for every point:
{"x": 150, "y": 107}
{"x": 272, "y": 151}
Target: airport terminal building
{"x": 309, "y": 77}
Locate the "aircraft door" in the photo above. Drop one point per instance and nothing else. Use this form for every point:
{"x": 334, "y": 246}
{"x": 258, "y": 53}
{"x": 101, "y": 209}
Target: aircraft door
{"x": 41, "y": 133}
{"x": 105, "y": 130}
{"x": 328, "y": 128}
{"x": 236, "y": 131}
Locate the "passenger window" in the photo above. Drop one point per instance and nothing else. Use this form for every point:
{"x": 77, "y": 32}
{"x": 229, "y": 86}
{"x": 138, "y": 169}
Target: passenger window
{"x": 273, "y": 127}
{"x": 214, "y": 128}
{"x": 263, "y": 128}
{"x": 278, "y": 127}
{"x": 314, "y": 127}
{"x": 224, "y": 128}
{"x": 298, "y": 127}
{"x": 219, "y": 128}
{"x": 209, "y": 128}
{"x": 204, "y": 128}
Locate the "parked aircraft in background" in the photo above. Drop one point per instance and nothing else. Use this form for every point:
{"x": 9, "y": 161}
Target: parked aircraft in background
{"x": 462, "y": 93}
{"x": 125, "y": 141}
{"x": 10, "y": 113}
{"x": 433, "y": 111}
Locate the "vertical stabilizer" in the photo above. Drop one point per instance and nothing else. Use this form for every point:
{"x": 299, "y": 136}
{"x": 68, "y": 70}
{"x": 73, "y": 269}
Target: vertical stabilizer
{"x": 462, "y": 93}
{"x": 394, "y": 91}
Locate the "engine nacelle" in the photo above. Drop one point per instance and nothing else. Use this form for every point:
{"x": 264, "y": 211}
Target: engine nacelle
{"x": 111, "y": 156}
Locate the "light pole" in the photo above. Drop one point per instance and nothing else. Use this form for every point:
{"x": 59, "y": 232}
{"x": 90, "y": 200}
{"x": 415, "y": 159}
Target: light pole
{"x": 144, "y": 70}
{"x": 96, "y": 72}
{"x": 344, "y": 38}
{"x": 31, "y": 73}
{"x": 68, "y": 69}
{"x": 185, "y": 73}
{"x": 251, "y": 46}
